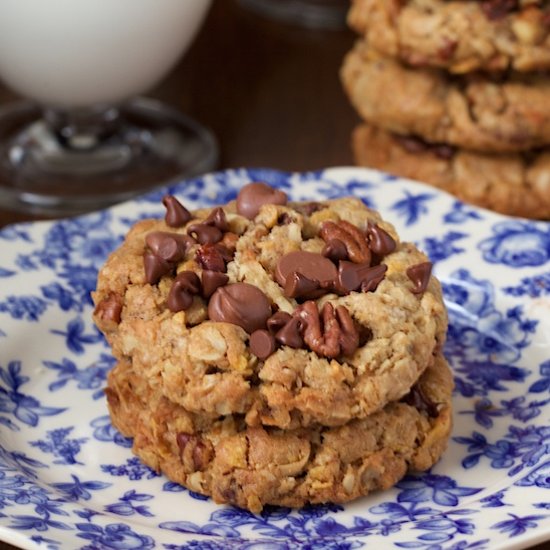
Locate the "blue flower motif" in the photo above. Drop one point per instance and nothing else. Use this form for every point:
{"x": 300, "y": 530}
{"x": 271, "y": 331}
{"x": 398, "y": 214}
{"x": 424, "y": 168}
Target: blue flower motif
{"x": 91, "y": 377}
{"x": 461, "y": 213}
{"x": 440, "y": 489}
{"x": 412, "y": 207}
{"x": 27, "y": 308}
{"x": 543, "y": 384}
{"x": 538, "y": 285}
{"x": 518, "y": 525}
{"x": 539, "y": 477}
{"x": 104, "y": 431}
{"x": 517, "y": 244}
{"x": 115, "y": 535}
{"x": 79, "y": 490}
{"x": 134, "y": 469}
{"x": 75, "y": 336}
{"x": 126, "y": 506}
{"x": 494, "y": 500}
{"x": 25, "y": 408}
{"x": 441, "y": 248}
{"x": 57, "y": 443}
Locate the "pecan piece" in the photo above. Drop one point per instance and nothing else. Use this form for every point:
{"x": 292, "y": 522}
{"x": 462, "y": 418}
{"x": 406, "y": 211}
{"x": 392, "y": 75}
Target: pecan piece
{"x": 195, "y": 452}
{"x": 328, "y": 333}
{"x": 110, "y": 308}
{"x": 355, "y": 241}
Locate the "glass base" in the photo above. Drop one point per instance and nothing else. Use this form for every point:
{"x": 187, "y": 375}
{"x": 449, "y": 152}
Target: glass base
{"x": 313, "y": 14}
{"x": 46, "y": 170}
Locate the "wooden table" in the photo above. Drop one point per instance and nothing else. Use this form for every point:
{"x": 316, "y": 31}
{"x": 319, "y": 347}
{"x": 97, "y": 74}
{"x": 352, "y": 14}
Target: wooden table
{"x": 269, "y": 91}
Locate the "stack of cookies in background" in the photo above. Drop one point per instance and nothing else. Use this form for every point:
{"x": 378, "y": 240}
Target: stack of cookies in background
{"x": 456, "y": 94}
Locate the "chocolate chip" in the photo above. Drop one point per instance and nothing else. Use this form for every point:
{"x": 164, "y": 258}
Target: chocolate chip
{"x": 155, "y": 267}
{"x": 299, "y": 286}
{"x": 169, "y": 246}
{"x": 277, "y": 321}
{"x": 176, "y": 214}
{"x": 373, "y": 278}
{"x": 262, "y": 343}
{"x": 335, "y": 250}
{"x": 205, "y": 234}
{"x": 217, "y": 218}
{"x": 352, "y": 276}
{"x": 185, "y": 286}
{"x": 241, "y": 304}
{"x": 381, "y": 242}
{"x": 110, "y": 308}
{"x": 254, "y": 195}
{"x": 312, "y": 266}
{"x": 308, "y": 208}
{"x": 289, "y": 335}
{"x": 211, "y": 280}
{"x": 419, "y": 274}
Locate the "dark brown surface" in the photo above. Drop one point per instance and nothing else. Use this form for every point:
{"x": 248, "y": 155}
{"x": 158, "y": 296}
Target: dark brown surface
{"x": 270, "y": 92}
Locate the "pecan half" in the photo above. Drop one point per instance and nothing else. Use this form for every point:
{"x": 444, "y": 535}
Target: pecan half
{"x": 355, "y": 241}
{"x": 328, "y": 333}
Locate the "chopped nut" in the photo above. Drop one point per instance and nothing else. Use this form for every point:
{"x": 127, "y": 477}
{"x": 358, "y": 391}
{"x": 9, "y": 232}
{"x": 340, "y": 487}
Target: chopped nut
{"x": 352, "y": 237}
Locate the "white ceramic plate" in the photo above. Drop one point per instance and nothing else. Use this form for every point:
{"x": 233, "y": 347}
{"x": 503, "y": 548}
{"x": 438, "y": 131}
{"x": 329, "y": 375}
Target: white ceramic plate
{"x": 69, "y": 480}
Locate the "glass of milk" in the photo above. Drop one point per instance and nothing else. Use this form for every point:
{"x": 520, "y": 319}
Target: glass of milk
{"x": 83, "y": 137}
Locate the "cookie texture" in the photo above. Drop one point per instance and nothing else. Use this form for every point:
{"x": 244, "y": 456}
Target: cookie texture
{"x": 300, "y": 314}
{"x": 473, "y": 112}
{"x": 517, "y": 185}
{"x": 460, "y": 36}
{"x": 252, "y": 467}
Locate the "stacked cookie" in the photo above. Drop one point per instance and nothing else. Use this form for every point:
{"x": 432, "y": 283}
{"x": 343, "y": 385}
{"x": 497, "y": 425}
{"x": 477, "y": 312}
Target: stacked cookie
{"x": 272, "y": 352}
{"x": 455, "y": 94}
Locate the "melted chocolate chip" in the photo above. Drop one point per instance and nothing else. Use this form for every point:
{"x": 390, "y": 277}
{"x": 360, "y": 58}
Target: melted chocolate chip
{"x": 185, "y": 286}
{"x": 419, "y": 274}
{"x": 381, "y": 242}
{"x": 110, "y": 308}
{"x": 308, "y": 208}
{"x": 176, "y": 214}
{"x": 312, "y": 266}
{"x": 277, "y": 321}
{"x": 299, "y": 286}
{"x": 205, "y": 234}
{"x": 290, "y": 334}
{"x": 254, "y": 195}
{"x": 262, "y": 343}
{"x": 241, "y": 304}
{"x": 211, "y": 280}
{"x": 169, "y": 246}
{"x": 335, "y": 250}
{"x": 352, "y": 276}
{"x": 155, "y": 267}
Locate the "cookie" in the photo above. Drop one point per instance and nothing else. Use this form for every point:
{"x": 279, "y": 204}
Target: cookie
{"x": 252, "y": 467}
{"x": 460, "y": 36}
{"x": 289, "y": 314}
{"x": 471, "y": 112}
{"x": 516, "y": 185}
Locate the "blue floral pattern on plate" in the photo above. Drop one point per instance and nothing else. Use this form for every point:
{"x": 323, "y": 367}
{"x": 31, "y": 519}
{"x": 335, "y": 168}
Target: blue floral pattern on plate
{"x": 69, "y": 480}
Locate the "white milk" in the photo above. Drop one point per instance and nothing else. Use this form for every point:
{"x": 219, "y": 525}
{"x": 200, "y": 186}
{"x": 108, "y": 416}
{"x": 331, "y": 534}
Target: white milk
{"x": 74, "y": 53}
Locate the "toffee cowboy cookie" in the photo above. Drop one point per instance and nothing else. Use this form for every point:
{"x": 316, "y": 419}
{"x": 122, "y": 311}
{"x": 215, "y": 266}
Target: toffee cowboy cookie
{"x": 288, "y": 314}
{"x": 471, "y": 112}
{"x": 460, "y": 36}
{"x": 252, "y": 467}
{"x": 517, "y": 185}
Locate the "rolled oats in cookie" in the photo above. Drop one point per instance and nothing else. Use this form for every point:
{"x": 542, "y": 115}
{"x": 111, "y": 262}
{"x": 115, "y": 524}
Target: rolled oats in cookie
{"x": 253, "y": 467}
{"x": 287, "y": 314}
{"x": 460, "y": 35}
